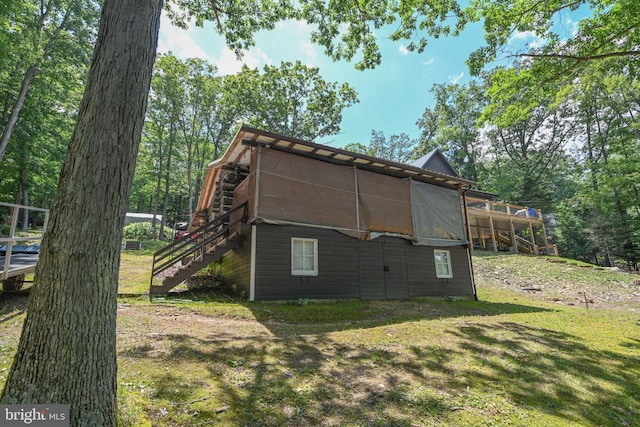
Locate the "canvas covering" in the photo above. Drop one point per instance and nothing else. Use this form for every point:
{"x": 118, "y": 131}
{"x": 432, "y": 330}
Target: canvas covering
{"x": 299, "y": 189}
{"x": 384, "y": 203}
{"x": 437, "y": 215}
{"x": 360, "y": 203}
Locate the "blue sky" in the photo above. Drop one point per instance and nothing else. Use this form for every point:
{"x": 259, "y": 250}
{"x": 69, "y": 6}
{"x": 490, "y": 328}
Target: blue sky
{"x": 392, "y": 97}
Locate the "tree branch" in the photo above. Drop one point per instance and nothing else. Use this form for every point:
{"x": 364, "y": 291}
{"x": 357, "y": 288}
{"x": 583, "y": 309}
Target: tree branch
{"x": 581, "y": 58}
{"x": 217, "y": 11}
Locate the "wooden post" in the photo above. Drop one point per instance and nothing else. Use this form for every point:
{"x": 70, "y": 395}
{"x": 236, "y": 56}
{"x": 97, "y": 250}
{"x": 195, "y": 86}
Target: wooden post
{"x": 533, "y": 239}
{"x": 256, "y": 200}
{"x": 465, "y": 215}
{"x": 482, "y": 242}
{"x": 355, "y": 175}
{"x": 513, "y": 237}
{"x": 493, "y": 234}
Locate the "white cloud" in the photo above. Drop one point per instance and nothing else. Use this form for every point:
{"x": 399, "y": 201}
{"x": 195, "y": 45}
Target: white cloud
{"x": 528, "y": 37}
{"x": 183, "y": 44}
{"x": 228, "y": 62}
{"x": 300, "y": 26}
{"x": 178, "y": 41}
{"x": 572, "y": 25}
{"x": 403, "y": 49}
{"x": 429, "y": 61}
{"x": 455, "y": 79}
{"x": 309, "y": 50}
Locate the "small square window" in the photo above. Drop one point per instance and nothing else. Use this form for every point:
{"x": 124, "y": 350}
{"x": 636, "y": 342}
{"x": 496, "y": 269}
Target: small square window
{"x": 443, "y": 264}
{"x": 304, "y": 257}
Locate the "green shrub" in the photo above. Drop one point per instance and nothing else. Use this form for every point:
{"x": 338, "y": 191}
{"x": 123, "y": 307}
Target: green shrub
{"x": 143, "y": 231}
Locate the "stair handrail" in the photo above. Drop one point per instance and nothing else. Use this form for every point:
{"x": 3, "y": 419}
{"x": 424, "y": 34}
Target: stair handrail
{"x": 197, "y": 242}
{"x": 518, "y": 241}
{"x": 525, "y": 242}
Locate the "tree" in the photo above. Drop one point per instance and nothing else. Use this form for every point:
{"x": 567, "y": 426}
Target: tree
{"x": 295, "y": 100}
{"x": 612, "y": 31}
{"x": 167, "y": 110}
{"x": 610, "y": 36}
{"x": 193, "y": 113}
{"x": 452, "y": 126}
{"x": 43, "y": 36}
{"x": 607, "y": 114}
{"x": 523, "y": 157}
{"x": 39, "y": 139}
{"x": 67, "y": 349}
{"x": 71, "y": 314}
{"x": 399, "y": 148}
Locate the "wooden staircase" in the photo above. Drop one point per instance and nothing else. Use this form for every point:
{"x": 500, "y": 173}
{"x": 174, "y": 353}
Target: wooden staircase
{"x": 524, "y": 246}
{"x": 181, "y": 259}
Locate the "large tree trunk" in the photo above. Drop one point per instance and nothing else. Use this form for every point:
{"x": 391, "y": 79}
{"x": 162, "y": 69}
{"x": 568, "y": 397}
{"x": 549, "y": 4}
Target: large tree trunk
{"x": 67, "y": 351}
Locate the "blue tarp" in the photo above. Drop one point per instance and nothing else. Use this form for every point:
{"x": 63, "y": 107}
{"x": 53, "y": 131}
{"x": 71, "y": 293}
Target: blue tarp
{"x": 21, "y": 249}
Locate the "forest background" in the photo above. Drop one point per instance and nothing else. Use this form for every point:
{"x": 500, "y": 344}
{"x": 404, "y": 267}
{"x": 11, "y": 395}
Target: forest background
{"x": 557, "y": 131}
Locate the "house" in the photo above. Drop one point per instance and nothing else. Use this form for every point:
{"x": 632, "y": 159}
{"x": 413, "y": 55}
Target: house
{"x": 289, "y": 219}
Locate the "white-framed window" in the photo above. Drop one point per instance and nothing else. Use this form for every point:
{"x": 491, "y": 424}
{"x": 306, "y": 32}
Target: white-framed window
{"x": 443, "y": 264}
{"x": 304, "y": 257}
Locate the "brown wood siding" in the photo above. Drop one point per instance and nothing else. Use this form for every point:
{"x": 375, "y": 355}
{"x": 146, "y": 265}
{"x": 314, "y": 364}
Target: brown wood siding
{"x": 337, "y": 264}
{"x": 236, "y": 266}
{"x": 350, "y": 268}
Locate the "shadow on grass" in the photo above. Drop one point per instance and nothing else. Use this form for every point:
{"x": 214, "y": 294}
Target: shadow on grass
{"x": 554, "y": 372}
{"x": 12, "y": 304}
{"x": 318, "y": 317}
{"x": 502, "y": 372}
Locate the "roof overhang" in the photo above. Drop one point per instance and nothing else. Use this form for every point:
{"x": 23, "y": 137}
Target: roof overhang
{"x": 238, "y": 153}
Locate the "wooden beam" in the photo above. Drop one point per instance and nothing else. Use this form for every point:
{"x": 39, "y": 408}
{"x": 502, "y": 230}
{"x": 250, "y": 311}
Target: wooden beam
{"x": 513, "y": 237}
{"x": 493, "y": 234}
{"x": 533, "y": 239}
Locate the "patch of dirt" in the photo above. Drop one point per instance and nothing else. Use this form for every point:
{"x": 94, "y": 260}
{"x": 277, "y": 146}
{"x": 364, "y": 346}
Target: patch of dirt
{"x": 158, "y": 321}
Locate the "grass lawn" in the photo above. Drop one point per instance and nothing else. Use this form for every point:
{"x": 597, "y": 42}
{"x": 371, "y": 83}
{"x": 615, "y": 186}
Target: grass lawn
{"x": 135, "y": 268}
{"x": 517, "y": 358}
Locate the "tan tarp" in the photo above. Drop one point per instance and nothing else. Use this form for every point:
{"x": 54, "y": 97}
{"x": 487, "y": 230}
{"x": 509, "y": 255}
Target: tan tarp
{"x": 385, "y": 203}
{"x": 240, "y": 196}
{"x": 303, "y": 190}
{"x": 296, "y": 189}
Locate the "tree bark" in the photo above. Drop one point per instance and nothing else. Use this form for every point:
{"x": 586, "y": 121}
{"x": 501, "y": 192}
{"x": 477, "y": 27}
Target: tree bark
{"x": 67, "y": 351}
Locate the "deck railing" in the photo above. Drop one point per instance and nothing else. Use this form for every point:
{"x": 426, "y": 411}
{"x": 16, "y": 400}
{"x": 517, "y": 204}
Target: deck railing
{"x": 197, "y": 242}
{"x": 503, "y": 208}
{"x": 11, "y": 239}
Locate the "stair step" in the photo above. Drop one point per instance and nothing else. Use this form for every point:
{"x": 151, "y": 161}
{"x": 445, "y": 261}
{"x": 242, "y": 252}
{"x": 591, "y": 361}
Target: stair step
{"x": 186, "y": 271}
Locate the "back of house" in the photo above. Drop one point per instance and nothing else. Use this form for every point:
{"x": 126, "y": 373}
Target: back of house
{"x": 319, "y": 222}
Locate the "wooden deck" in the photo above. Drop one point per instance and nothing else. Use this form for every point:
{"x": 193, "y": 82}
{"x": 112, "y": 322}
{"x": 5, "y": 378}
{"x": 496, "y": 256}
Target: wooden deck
{"x": 496, "y": 225}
